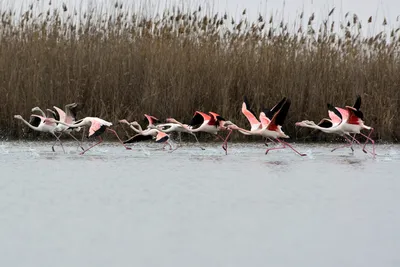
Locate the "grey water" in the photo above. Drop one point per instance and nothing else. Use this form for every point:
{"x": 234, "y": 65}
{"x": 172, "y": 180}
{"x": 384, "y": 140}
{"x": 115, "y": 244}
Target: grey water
{"x": 149, "y": 207}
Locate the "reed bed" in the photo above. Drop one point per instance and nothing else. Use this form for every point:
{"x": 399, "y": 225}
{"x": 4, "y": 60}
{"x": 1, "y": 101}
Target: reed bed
{"x": 119, "y": 64}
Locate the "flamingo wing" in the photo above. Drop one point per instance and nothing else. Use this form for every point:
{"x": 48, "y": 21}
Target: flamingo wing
{"x": 336, "y": 115}
{"x": 357, "y": 105}
{"x": 249, "y": 114}
{"x": 61, "y": 114}
{"x": 96, "y": 128}
{"x": 264, "y": 120}
{"x": 162, "y": 137}
{"x": 138, "y": 138}
{"x": 279, "y": 118}
{"x": 35, "y": 120}
{"x": 52, "y": 114}
{"x": 271, "y": 112}
{"x": 199, "y": 118}
{"x": 216, "y": 116}
{"x": 151, "y": 119}
{"x": 325, "y": 123}
{"x": 354, "y": 115}
{"x": 70, "y": 111}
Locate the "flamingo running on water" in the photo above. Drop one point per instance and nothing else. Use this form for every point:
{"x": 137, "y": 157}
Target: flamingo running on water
{"x": 333, "y": 125}
{"x": 175, "y": 127}
{"x": 41, "y": 124}
{"x": 353, "y": 123}
{"x": 210, "y": 123}
{"x": 69, "y": 117}
{"x": 148, "y": 134}
{"x": 270, "y": 128}
{"x": 342, "y": 122}
{"x": 251, "y": 116}
{"x": 97, "y": 128}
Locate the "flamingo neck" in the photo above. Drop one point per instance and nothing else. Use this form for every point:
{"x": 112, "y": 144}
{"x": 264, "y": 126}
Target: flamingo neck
{"x": 30, "y": 125}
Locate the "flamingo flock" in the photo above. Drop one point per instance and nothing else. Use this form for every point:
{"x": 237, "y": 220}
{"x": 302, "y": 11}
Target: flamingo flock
{"x": 343, "y": 121}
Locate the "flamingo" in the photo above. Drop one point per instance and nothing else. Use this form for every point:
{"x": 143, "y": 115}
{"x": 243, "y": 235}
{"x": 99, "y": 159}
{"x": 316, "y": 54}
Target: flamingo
{"x": 342, "y": 122}
{"x": 353, "y": 123}
{"x": 97, "y": 128}
{"x": 210, "y": 123}
{"x": 160, "y": 137}
{"x": 175, "y": 127}
{"x": 251, "y": 117}
{"x": 41, "y": 124}
{"x": 151, "y": 120}
{"x": 333, "y": 125}
{"x": 270, "y": 128}
{"x": 67, "y": 116}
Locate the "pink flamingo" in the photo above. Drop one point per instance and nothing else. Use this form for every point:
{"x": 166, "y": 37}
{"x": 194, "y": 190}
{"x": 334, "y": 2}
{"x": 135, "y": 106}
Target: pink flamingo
{"x": 333, "y": 125}
{"x": 342, "y": 122}
{"x": 41, "y": 124}
{"x": 210, "y": 123}
{"x": 97, "y": 128}
{"x": 268, "y": 113}
{"x": 174, "y": 127}
{"x": 271, "y": 128}
{"x": 148, "y": 134}
{"x": 68, "y": 116}
{"x": 353, "y": 123}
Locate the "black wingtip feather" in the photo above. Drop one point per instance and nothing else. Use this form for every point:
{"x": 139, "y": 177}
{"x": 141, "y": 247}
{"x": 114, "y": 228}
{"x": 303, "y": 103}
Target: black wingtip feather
{"x": 248, "y": 106}
{"x": 282, "y": 112}
{"x": 270, "y": 113}
{"x": 357, "y": 105}
{"x": 138, "y": 138}
{"x": 334, "y": 110}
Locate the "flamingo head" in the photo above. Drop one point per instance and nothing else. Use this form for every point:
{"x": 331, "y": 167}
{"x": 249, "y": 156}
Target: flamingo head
{"x": 36, "y": 109}
{"x": 134, "y": 123}
{"x": 228, "y": 124}
{"x": 19, "y": 117}
{"x": 305, "y": 123}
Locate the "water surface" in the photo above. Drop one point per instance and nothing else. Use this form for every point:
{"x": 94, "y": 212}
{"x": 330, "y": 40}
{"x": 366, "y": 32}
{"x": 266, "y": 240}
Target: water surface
{"x": 148, "y": 207}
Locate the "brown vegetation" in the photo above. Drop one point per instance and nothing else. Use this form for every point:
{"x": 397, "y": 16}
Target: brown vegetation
{"x": 121, "y": 66}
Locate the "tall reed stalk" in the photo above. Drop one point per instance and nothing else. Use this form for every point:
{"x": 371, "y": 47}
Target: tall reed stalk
{"x": 117, "y": 64}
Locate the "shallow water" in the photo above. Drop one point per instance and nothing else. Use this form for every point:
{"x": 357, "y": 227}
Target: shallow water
{"x": 146, "y": 207}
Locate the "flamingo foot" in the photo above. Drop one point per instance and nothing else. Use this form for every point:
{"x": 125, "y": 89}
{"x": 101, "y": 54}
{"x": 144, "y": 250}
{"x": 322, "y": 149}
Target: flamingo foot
{"x": 128, "y": 148}
{"x": 82, "y": 148}
{"x": 83, "y": 152}
{"x": 365, "y": 151}
{"x": 52, "y": 148}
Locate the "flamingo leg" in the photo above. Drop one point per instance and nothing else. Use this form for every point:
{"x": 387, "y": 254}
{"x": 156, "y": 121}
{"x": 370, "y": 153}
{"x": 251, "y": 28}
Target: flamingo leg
{"x": 58, "y": 139}
{"x": 349, "y": 143}
{"x": 197, "y": 141}
{"x": 284, "y": 145}
{"x": 122, "y": 143}
{"x": 225, "y": 144}
{"x": 55, "y": 142}
{"x": 79, "y": 143}
{"x": 100, "y": 141}
{"x": 270, "y": 139}
{"x": 371, "y": 140}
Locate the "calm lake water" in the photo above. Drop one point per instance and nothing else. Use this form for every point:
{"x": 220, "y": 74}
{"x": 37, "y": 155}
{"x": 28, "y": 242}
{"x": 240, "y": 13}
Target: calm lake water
{"x": 146, "y": 207}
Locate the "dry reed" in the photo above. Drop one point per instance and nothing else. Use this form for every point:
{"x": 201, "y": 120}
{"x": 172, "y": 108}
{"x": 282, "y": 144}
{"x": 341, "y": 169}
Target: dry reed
{"x": 120, "y": 65}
